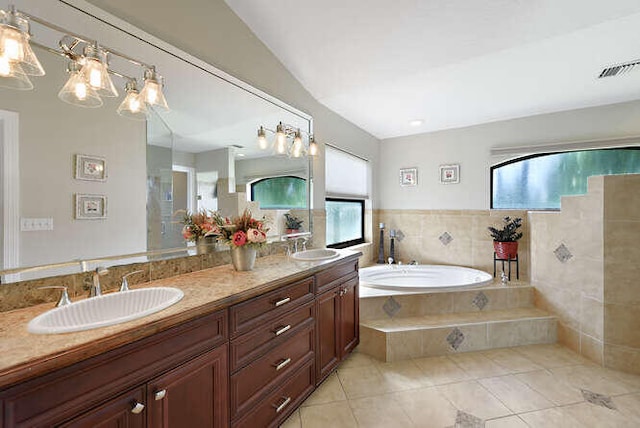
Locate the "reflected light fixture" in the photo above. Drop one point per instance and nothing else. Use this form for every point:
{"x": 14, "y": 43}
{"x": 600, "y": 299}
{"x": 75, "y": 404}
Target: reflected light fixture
{"x": 77, "y": 91}
{"x": 152, "y": 90}
{"x": 132, "y": 106}
{"x": 14, "y": 42}
{"x": 288, "y": 141}
{"x": 262, "y": 139}
{"x": 88, "y": 67}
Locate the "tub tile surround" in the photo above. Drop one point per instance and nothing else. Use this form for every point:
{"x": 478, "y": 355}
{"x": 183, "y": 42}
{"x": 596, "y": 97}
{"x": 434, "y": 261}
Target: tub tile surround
{"x": 595, "y": 292}
{"x": 465, "y": 232}
{"x": 529, "y": 386}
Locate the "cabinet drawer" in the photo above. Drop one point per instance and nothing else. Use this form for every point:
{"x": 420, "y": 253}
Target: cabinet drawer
{"x": 275, "y": 407}
{"x": 251, "y": 314}
{"x": 250, "y": 346}
{"x": 331, "y": 277}
{"x": 270, "y": 369}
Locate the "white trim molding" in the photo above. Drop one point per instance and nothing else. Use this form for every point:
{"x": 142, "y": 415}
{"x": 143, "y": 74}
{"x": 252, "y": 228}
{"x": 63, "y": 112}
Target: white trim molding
{"x": 10, "y": 190}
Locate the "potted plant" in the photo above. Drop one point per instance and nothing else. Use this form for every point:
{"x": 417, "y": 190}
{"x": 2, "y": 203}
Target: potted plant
{"x": 505, "y": 240}
{"x": 292, "y": 223}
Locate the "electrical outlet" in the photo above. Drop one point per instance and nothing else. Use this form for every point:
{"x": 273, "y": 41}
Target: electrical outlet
{"x": 36, "y": 224}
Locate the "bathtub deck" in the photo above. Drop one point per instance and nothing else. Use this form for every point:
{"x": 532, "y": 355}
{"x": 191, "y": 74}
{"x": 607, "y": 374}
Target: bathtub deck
{"x": 405, "y": 326}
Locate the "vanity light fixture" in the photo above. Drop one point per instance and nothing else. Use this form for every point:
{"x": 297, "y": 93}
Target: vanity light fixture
{"x": 89, "y": 71}
{"x": 288, "y": 141}
{"x": 14, "y": 42}
{"x": 132, "y": 106}
{"x": 152, "y": 89}
{"x": 77, "y": 91}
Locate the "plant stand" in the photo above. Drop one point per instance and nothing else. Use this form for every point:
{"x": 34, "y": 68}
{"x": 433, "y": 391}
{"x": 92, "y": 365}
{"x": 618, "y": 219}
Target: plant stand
{"x": 509, "y": 261}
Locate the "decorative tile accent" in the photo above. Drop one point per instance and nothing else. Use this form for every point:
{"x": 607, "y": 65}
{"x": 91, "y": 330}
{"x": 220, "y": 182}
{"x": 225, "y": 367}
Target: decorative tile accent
{"x": 445, "y": 238}
{"x": 455, "y": 338}
{"x": 391, "y": 306}
{"x": 467, "y": 420}
{"x": 562, "y": 253}
{"x": 598, "y": 399}
{"x": 480, "y": 300}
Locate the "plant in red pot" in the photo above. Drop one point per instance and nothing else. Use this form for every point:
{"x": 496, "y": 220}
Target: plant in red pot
{"x": 505, "y": 240}
{"x": 292, "y": 223}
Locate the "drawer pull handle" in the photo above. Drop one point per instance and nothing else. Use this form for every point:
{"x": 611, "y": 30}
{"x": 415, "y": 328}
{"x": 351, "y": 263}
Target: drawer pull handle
{"x": 137, "y": 408}
{"x": 282, "y": 301}
{"x": 284, "y": 404}
{"x": 281, "y": 330}
{"x": 282, "y": 364}
{"x": 160, "y": 394}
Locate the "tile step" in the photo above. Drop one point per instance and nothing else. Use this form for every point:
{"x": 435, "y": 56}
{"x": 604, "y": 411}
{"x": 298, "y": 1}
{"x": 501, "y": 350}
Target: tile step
{"x": 396, "y": 339}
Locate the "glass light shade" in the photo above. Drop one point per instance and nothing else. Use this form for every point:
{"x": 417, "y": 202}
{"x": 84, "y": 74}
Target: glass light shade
{"x": 96, "y": 71}
{"x": 313, "y": 147}
{"x": 297, "y": 148}
{"x": 77, "y": 91}
{"x": 152, "y": 91}
{"x": 13, "y": 77}
{"x": 132, "y": 106}
{"x": 262, "y": 139}
{"x": 281, "y": 140}
{"x": 14, "y": 43}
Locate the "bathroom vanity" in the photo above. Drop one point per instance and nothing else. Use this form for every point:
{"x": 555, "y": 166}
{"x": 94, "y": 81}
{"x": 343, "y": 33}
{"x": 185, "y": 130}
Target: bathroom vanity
{"x": 238, "y": 351}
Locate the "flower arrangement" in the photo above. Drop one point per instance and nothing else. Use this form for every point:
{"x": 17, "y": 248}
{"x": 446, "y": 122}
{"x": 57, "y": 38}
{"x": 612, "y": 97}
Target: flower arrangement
{"x": 197, "y": 225}
{"x": 239, "y": 231}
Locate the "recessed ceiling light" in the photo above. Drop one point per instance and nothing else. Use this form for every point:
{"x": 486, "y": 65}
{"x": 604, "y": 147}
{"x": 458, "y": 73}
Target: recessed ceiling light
{"x": 416, "y": 122}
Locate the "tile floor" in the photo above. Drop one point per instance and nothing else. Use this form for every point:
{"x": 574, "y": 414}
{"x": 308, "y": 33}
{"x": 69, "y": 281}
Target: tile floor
{"x": 527, "y": 386}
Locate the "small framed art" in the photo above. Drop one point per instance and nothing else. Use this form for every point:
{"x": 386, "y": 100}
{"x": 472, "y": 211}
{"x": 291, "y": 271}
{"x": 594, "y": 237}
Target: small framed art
{"x": 409, "y": 176}
{"x": 91, "y": 207}
{"x": 92, "y": 168}
{"x": 449, "y": 174}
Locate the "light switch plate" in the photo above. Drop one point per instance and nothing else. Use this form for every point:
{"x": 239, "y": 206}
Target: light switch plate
{"x": 36, "y": 224}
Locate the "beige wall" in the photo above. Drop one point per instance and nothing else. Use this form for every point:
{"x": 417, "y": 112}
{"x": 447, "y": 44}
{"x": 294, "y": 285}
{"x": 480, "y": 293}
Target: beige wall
{"x": 471, "y": 245}
{"x": 594, "y": 293}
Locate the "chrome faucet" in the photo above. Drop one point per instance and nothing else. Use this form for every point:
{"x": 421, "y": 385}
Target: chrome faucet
{"x": 96, "y": 290}
{"x": 124, "y": 286}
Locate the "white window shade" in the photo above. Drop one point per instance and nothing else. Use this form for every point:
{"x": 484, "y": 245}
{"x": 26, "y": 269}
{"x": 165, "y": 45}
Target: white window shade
{"x": 346, "y": 175}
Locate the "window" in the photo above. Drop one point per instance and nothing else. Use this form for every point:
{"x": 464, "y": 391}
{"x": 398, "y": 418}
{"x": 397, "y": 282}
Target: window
{"x": 281, "y": 193}
{"x": 345, "y": 222}
{"x": 537, "y": 182}
{"x": 346, "y": 178}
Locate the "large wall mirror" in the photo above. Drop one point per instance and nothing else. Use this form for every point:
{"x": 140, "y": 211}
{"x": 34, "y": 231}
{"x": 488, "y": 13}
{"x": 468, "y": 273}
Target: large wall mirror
{"x": 202, "y": 154}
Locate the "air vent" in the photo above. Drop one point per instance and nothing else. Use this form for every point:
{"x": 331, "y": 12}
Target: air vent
{"x": 618, "y": 69}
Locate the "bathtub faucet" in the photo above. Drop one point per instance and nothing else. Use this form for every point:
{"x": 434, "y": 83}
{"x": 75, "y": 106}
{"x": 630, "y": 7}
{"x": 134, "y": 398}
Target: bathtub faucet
{"x": 390, "y": 260}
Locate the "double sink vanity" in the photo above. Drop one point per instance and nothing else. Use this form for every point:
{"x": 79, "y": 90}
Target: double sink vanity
{"x": 240, "y": 349}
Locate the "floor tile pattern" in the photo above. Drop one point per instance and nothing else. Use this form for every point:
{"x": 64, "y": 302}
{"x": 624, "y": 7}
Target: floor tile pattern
{"x": 536, "y": 386}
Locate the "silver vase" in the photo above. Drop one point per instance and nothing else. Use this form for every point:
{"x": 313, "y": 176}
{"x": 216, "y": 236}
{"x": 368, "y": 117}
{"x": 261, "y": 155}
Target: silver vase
{"x": 243, "y": 258}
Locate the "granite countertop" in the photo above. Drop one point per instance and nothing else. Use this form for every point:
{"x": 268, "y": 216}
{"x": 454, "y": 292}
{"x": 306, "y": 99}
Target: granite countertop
{"x": 24, "y": 355}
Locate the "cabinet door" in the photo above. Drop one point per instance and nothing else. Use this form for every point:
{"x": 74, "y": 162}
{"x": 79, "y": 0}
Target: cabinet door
{"x": 126, "y": 410}
{"x": 349, "y": 317}
{"x": 193, "y": 395}
{"x": 328, "y": 346}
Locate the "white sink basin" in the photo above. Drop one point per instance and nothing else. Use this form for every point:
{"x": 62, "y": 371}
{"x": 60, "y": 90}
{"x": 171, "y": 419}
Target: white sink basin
{"x": 315, "y": 255}
{"x": 101, "y": 311}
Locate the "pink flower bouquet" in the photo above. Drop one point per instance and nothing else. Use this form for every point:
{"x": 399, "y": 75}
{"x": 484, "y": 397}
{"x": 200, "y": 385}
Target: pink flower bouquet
{"x": 240, "y": 231}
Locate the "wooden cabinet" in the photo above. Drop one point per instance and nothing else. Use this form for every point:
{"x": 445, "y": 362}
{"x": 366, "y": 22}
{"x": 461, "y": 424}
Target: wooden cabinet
{"x": 82, "y": 394}
{"x": 272, "y": 347}
{"x": 250, "y": 365}
{"x": 337, "y": 317}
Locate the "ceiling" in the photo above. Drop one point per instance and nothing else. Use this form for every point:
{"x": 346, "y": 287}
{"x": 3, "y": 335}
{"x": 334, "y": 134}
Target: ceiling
{"x": 450, "y": 63}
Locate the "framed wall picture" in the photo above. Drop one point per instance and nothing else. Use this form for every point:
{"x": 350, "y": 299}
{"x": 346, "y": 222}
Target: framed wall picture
{"x": 92, "y": 168}
{"x": 91, "y": 207}
{"x": 449, "y": 174}
{"x": 409, "y": 176}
